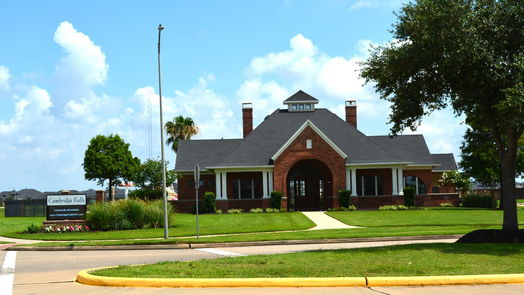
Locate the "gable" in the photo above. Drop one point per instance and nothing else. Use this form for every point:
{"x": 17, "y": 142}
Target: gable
{"x": 307, "y": 126}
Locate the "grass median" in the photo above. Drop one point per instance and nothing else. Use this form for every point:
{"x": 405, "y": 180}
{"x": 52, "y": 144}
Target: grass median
{"x": 406, "y": 260}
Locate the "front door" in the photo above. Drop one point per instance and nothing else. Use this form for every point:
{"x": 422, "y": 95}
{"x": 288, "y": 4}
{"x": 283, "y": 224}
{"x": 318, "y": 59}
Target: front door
{"x": 307, "y": 185}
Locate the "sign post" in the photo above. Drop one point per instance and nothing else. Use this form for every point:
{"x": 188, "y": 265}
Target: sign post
{"x": 197, "y": 185}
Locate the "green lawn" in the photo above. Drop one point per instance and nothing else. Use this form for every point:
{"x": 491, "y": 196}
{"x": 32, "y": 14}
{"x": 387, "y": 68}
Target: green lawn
{"x": 184, "y": 225}
{"x": 406, "y": 260}
{"x": 430, "y": 216}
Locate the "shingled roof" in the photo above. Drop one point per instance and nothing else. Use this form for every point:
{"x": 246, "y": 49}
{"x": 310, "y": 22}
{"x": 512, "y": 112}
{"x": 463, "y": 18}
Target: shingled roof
{"x": 258, "y": 148}
{"x": 446, "y": 161}
{"x": 300, "y": 96}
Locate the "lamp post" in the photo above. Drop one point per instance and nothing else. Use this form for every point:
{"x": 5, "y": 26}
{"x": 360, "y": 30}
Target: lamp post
{"x": 166, "y": 234}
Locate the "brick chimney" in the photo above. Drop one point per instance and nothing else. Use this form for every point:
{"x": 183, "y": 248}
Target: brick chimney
{"x": 351, "y": 112}
{"x": 247, "y": 118}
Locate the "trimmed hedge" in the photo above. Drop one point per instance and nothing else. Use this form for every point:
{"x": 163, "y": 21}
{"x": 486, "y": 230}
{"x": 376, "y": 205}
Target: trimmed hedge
{"x": 276, "y": 200}
{"x": 478, "y": 201}
{"x": 344, "y": 198}
{"x": 409, "y": 196}
{"x": 210, "y": 202}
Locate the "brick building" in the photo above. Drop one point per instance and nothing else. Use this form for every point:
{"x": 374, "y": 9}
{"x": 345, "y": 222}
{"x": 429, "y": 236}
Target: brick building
{"x": 309, "y": 154}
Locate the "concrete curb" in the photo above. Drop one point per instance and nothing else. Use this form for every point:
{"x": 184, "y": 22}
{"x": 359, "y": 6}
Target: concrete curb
{"x": 230, "y": 244}
{"x": 84, "y": 277}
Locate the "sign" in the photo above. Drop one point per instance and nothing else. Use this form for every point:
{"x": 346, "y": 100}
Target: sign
{"x": 66, "y": 207}
{"x": 197, "y": 176}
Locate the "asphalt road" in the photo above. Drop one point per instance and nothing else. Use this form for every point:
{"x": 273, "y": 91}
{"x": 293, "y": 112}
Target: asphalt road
{"x": 38, "y": 272}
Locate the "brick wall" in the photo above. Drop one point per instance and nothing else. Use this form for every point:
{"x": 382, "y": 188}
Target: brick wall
{"x": 320, "y": 151}
{"x": 186, "y": 187}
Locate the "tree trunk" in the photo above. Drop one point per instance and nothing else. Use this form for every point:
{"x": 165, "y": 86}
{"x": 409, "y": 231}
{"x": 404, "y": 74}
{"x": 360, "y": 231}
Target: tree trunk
{"x": 110, "y": 188}
{"x": 507, "y": 188}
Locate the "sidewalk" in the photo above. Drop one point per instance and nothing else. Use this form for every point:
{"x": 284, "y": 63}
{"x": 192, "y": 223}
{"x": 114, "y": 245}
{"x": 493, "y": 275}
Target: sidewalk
{"x": 324, "y": 221}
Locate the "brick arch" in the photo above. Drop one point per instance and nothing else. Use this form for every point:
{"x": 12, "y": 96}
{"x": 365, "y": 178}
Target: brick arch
{"x": 320, "y": 151}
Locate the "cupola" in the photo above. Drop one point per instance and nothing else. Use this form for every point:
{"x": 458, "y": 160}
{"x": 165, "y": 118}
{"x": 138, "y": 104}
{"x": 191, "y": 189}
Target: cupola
{"x": 301, "y": 102}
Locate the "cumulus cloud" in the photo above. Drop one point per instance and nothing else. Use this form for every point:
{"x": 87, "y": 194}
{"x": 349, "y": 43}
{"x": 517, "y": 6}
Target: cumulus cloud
{"x": 332, "y": 79}
{"x": 4, "y": 77}
{"x": 84, "y": 59}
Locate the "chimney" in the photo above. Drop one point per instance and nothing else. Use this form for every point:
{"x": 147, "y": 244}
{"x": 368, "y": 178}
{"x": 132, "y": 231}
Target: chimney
{"x": 247, "y": 118}
{"x": 351, "y": 112}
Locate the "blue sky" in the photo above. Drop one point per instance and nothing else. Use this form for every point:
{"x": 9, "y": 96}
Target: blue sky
{"x": 70, "y": 70}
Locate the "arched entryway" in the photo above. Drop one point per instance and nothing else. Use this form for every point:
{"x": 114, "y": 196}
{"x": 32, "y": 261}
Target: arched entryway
{"x": 308, "y": 184}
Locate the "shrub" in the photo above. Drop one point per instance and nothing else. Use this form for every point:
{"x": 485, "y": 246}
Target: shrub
{"x": 474, "y": 200}
{"x": 276, "y": 200}
{"x": 146, "y": 195}
{"x": 349, "y": 208}
{"x": 127, "y": 214}
{"x": 209, "y": 202}
{"x": 392, "y": 207}
{"x": 256, "y": 210}
{"x": 218, "y": 211}
{"x": 272, "y": 210}
{"x": 33, "y": 229}
{"x": 447, "y": 204}
{"x": 344, "y": 198}
{"x": 235, "y": 211}
{"x": 409, "y": 196}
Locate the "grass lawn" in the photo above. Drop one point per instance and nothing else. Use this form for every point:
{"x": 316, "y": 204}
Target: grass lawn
{"x": 430, "y": 217}
{"x": 184, "y": 225}
{"x": 406, "y": 260}
{"x": 299, "y": 235}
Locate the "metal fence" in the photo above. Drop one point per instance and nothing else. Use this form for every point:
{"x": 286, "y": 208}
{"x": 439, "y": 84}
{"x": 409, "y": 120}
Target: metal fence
{"x": 25, "y": 208}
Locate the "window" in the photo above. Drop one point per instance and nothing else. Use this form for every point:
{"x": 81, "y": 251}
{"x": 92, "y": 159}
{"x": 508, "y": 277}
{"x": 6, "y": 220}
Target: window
{"x": 370, "y": 185}
{"x": 294, "y": 107}
{"x": 309, "y": 144}
{"x": 417, "y": 183}
{"x": 307, "y": 107}
{"x": 301, "y": 107}
{"x": 244, "y": 188}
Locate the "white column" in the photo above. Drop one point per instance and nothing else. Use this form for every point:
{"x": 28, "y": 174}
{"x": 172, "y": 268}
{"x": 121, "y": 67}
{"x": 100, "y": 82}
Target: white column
{"x": 348, "y": 179}
{"x": 400, "y": 181}
{"x": 353, "y": 182}
{"x": 218, "y": 185}
{"x": 271, "y": 182}
{"x": 264, "y": 184}
{"x": 394, "y": 181}
{"x": 224, "y": 185}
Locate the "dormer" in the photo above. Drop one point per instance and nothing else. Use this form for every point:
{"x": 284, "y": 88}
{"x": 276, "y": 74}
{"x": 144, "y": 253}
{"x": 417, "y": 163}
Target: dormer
{"x": 301, "y": 102}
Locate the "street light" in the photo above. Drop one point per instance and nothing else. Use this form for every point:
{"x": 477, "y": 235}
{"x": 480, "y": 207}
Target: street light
{"x": 166, "y": 234}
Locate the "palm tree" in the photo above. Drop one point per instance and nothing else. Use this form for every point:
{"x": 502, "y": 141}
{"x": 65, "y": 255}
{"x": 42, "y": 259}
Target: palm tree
{"x": 179, "y": 129}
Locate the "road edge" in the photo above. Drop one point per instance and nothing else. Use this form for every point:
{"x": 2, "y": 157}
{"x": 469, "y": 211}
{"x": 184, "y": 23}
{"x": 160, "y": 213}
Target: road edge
{"x": 84, "y": 277}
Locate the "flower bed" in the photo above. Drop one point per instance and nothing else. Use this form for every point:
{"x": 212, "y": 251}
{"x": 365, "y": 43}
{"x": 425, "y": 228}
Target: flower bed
{"x": 65, "y": 228}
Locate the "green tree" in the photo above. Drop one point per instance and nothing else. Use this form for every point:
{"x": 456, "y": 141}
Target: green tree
{"x": 148, "y": 175}
{"x": 480, "y": 159}
{"x": 179, "y": 129}
{"x": 109, "y": 158}
{"x": 456, "y": 179}
{"x": 464, "y": 53}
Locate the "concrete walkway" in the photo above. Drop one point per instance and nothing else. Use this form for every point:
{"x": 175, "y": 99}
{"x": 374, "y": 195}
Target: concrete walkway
{"x": 324, "y": 221}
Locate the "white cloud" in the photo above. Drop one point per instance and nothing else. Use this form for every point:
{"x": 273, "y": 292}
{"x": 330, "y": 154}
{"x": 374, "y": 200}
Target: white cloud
{"x": 4, "y": 77}
{"x": 84, "y": 60}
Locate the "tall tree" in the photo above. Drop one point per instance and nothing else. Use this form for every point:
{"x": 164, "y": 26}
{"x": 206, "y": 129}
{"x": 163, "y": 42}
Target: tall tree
{"x": 479, "y": 158}
{"x": 149, "y": 175}
{"x": 468, "y": 54}
{"x": 109, "y": 158}
{"x": 179, "y": 129}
